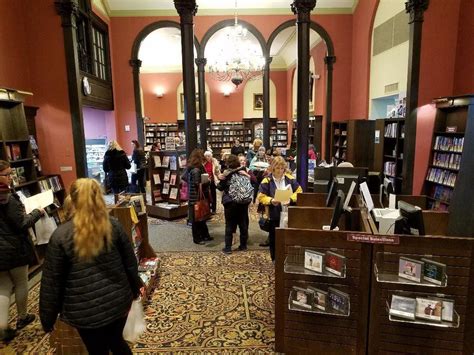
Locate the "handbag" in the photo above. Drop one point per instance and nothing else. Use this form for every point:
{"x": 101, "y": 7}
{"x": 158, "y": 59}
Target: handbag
{"x": 264, "y": 221}
{"x": 202, "y": 210}
{"x": 135, "y": 325}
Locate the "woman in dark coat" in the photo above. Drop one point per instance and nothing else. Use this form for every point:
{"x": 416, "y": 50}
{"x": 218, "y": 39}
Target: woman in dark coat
{"x": 192, "y": 176}
{"x": 90, "y": 273}
{"x": 139, "y": 158}
{"x": 16, "y": 252}
{"x": 115, "y": 166}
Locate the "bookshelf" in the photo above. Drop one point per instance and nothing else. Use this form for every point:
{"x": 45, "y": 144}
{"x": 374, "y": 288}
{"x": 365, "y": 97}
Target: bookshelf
{"x": 165, "y": 169}
{"x": 350, "y": 140}
{"x": 446, "y": 154}
{"x": 388, "y": 149}
{"x": 314, "y": 133}
{"x": 157, "y": 132}
{"x": 221, "y": 135}
{"x": 279, "y": 134}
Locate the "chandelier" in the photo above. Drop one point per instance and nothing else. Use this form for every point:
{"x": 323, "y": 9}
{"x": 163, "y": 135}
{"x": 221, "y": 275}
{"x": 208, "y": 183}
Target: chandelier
{"x": 237, "y": 58}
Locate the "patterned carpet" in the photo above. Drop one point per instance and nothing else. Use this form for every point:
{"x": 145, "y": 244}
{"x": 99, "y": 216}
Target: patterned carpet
{"x": 205, "y": 302}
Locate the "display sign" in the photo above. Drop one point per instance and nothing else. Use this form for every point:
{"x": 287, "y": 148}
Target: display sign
{"x": 170, "y": 143}
{"x": 373, "y": 239}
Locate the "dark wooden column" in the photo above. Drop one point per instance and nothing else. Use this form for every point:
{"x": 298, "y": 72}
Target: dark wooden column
{"x": 302, "y": 9}
{"x": 415, "y": 8}
{"x": 186, "y": 10}
{"x": 201, "y": 63}
{"x": 266, "y": 103}
{"x": 329, "y": 61}
{"x": 68, "y": 10}
{"x": 136, "y": 64}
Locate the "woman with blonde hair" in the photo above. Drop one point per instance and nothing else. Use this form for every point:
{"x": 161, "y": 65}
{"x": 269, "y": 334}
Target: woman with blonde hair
{"x": 279, "y": 179}
{"x": 257, "y": 143}
{"x": 115, "y": 166}
{"x": 90, "y": 273}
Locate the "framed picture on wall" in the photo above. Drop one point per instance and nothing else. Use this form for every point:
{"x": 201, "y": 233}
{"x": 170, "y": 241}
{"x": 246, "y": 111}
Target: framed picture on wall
{"x": 258, "y": 101}
{"x": 181, "y": 102}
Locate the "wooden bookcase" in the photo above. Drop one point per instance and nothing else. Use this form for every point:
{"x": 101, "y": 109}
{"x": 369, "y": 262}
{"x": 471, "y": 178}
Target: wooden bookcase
{"x": 350, "y": 142}
{"x": 446, "y": 154}
{"x": 165, "y": 180}
{"x": 221, "y": 135}
{"x": 388, "y": 149}
{"x": 279, "y": 133}
{"x": 314, "y": 132}
{"x": 157, "y": 132}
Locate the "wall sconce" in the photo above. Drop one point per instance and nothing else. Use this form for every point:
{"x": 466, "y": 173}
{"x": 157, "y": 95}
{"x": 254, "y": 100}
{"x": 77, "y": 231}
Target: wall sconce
{"x": 226, "y": 93}
{"x": 159, "y": 93}
{"x": 316, "y": 76}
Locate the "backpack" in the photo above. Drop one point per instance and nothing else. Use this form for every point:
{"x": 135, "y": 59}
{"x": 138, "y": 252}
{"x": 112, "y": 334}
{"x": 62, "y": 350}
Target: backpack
{"x": 240, "y": 189}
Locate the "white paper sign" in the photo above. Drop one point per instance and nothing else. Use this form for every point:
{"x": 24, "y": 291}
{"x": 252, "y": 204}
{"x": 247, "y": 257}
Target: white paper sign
{"x": 40, "y": 200}
{"x": 367, "y": 197}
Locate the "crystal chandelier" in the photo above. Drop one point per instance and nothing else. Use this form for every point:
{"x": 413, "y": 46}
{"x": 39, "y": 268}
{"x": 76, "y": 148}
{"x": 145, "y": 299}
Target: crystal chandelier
{"x": 237, "y": 58}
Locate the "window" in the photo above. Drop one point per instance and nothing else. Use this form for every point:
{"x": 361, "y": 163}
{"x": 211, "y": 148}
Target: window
{"x": 99, "y": 54}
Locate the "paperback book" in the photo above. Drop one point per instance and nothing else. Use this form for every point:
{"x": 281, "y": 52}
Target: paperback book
{"x": 314, "y": 260}
{"x": 410, "y": 269}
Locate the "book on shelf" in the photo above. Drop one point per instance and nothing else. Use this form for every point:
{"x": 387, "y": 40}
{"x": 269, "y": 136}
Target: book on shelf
{"x": 20, "y": 172}
{"x": 15, "y": 151}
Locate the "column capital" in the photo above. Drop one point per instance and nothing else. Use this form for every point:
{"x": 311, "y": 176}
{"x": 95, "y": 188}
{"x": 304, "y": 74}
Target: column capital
{"x": 302, "y": 6}
{"x": 68, "y": 10}
{"x": 186, "y": 9}
{"x": 416, "y": 9}
{"x": 330, "y": 60}
{"x": 135, "y": 63}
{"x": 200, "y": 62}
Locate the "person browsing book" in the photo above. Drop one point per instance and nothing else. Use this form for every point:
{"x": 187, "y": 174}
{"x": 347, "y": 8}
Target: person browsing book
{"x": 90, "y": 273}
{"x": 16, "y": 252}
{"x": 277, "y": 180}
{"x": 115, "y": 165}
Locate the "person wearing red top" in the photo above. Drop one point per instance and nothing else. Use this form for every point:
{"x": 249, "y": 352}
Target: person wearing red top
{"x": 211, "y": 166}
{"x": 311, "y": 152}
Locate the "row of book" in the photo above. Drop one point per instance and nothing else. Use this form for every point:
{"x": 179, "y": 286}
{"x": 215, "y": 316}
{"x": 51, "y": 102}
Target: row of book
{"x": 449, "y": 144}
{"x": 51, "y": 183}
{"x": 167, "y": 177}
{"x": 441, "y": 193}
{"x": 390, "y": 168}
{"x": 311, "y": 299}
{"x": 438, "y": 206}
{"x": 391, "y": 130}
{"x": 158, "y": 134}
{"x": 171, "y": 192}
{"x": 447, "y": 160}
{"x": 441, "y": 176}
{"x": 432, "y": 309}
{"x": 169, "y": 161}
{"x": 13, "y": 151}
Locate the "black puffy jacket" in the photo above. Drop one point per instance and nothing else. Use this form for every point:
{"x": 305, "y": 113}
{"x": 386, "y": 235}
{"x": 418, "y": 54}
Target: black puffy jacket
{"x": 15, "y": 247}
{"x": 115, "y": 165}
{"x": 139, "y": 158}
{"x": 88, "y": 294}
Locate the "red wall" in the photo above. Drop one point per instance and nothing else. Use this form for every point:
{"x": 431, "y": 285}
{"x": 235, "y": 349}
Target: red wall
{"x": 363, "y": 20}
{"x": 438, "y": 57}
{"x": 464, "y": 72}
{"x": 14, "y": 68}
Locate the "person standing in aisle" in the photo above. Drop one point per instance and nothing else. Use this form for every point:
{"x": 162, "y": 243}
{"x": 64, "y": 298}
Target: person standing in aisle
{"x": 139, "y": 159}
{"x": 311, "y": 152}
{"x": 212, "y": 168}
{"x": 235, "y": 210}
{"x": 192, "y": 176}
{"x": 257, "y": 143}
{"x": 90, "y": 273}
{"x": 237, "y": 149}
{"x": 16, "y": 252}
{"x": 277, "y": 180}
{"x": 115, "y": 166}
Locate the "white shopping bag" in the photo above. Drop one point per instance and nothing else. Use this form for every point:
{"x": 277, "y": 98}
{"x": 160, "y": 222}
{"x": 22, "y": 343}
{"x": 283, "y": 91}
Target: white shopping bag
{"x": 44, "y": 228}
{"x": 135, "y": 325}
{"x": 284, "y": 217}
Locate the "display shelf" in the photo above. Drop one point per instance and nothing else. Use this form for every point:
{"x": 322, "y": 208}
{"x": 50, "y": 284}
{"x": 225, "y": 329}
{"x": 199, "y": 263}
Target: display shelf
{"x": 306, "y": 261}
{"x": 157, "y": 133}
{"x": 349, "y": 134}
{"x": 442, "y": 324}
{"x": 314, "y": 133}
{"x": 395, "y": 279}
{"x": 221, "y": 135}
{"x": 292, "y": 306}
{"x": 95, "y": 152}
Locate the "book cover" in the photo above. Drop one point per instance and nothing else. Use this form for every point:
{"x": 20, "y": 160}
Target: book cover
{"x": 410, "y": 269}
{"x": 173, "y": 165}
{"x": 156, "y": 179}
{"x": 173, "y": 194}
{"x": 20, "y": 171}
{"x": 157, "y": 161}
{"x": 403, "y": 307}
{"x": 15, "y": 151}
{"x": 313, "y": 260}
{"x": 166, "y": 161}
{"x": 433, "y": 271}
{"x": 167, "y": 175}
{"x": 173, "y": 179}
{"x": 319, "y": 298}
{"x": 429, "y": 309}
{"x": 166, "y": 188}
{"x": 335, "y": 263}
{"x": 301, "y": 297}
{"x": 338, "y": 301}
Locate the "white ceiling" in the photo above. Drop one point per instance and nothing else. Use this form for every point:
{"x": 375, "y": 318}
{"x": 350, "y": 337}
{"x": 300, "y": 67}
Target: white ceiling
{"x": 137, "y": 5}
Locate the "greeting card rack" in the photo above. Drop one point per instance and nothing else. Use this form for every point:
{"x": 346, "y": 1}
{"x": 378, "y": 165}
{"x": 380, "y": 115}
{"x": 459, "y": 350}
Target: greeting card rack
{"x": 165, "y": 169}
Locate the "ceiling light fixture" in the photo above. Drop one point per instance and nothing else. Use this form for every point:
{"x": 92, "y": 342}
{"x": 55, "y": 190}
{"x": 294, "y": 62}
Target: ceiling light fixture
{"x": 237, "y": 59}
